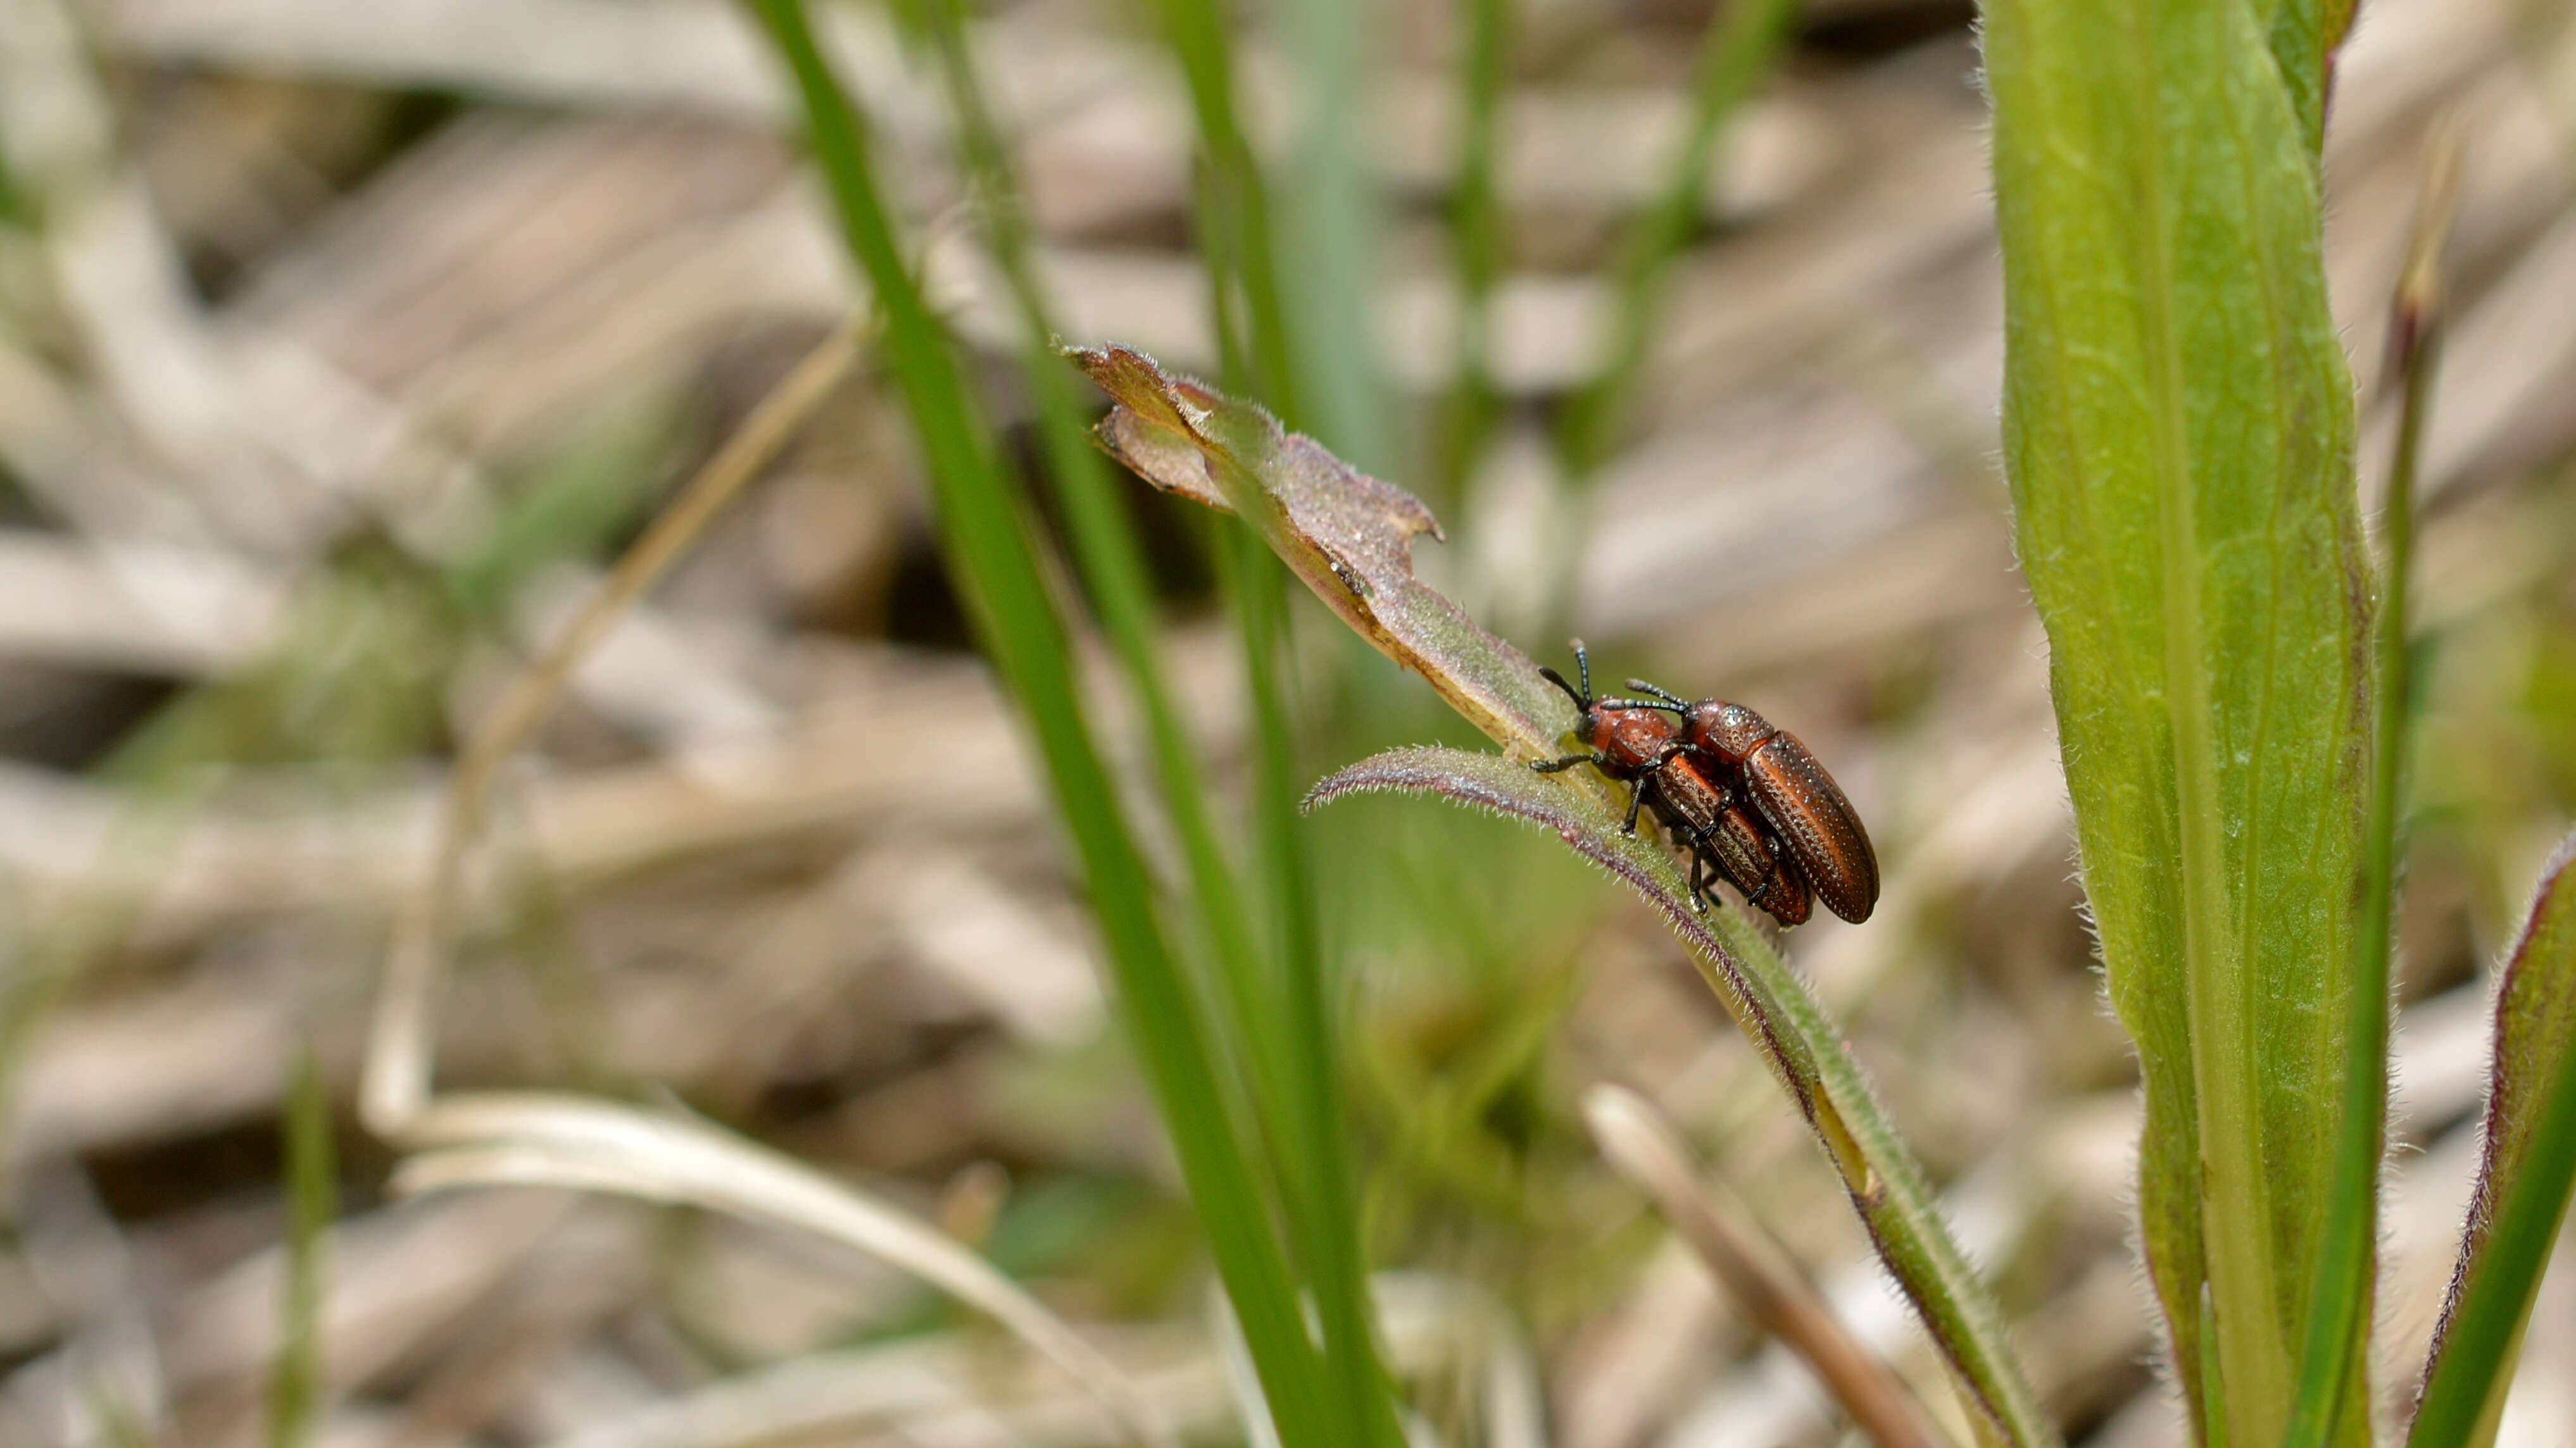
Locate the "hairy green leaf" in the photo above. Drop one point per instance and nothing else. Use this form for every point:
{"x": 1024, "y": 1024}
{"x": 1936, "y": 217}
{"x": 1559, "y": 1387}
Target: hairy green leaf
{"x": 2178, "y": 430}
{"x": 2524, "y": 1179}
{"x": 2305, "y": 35}
{"x": 1349, "y": 536}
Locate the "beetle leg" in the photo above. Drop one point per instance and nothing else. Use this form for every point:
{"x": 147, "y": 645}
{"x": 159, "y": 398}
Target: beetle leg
{"x": 1551, "y": 766}
{"x": 1662, "y": 757}
{"x": 1764, "y": 892}
{"x": 1699, "y": 891}
{"x": 1636, "y": 797}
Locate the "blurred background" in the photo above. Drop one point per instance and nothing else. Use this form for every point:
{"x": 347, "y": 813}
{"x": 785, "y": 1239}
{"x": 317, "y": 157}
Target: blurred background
{"x": 344, "y": 349}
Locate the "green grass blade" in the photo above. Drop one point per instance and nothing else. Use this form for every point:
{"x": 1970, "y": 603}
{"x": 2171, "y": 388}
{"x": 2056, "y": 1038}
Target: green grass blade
{"x": 1738, "y": 52}
{"x": 1476, "y": 241}
{"x": 312, "y": 1200}
{"x": 1318, "y": 360}
{"x": 1106, "y": 549}
{"x": 1327, "y": 237}
{"x": 1234, "y": 212}
{"x": 2524, "y": 1182}
{"x": 1314, "y": 1132}
{"x": 2178, "y": 426}
{"x": 991, "y": 554}
{"x": 2339, "y": 1316}
{"x": 1287, "y": 1034}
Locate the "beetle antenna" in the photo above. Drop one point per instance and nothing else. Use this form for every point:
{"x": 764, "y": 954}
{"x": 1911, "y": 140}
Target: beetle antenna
{"x": 1553, "y": 677}
{"x": 1583, "y": 662}
{"x": 1667, "y": 704}
{"x": 1667, "y": 695}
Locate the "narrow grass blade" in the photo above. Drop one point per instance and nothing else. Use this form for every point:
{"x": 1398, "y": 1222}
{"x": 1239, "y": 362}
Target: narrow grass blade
{"x": 1739, "y": 50}
{"x": 1318, "y": 353}
{"x": 2524, "y": 1180}
{"x": 2339, "y": 1315}
{"x": 1280, "y": 354}
{"x": 986, "y": 538}
{"x": 1349, "y": 538}
{"x": 1286, "y": 1034}
{"x": 312, "y": 1200}
{"x": 1476, "y": 241}
{"x": 2178, "y": 432}
{"x": 530, "y": 1138}
{"x": 1322, "y": 1196}
{"x": 1234, "y": 208}
{"x": 1643, "y": 1147}
{"x": 1327, "y": 236}
{"x": 1106, "y": 547}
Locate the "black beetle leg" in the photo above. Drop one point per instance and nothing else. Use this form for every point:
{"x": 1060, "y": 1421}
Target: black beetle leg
{"x": 1779, "y": 871}
{"x": 1699, "y": 891}
{"x": 1638, "y": 795}
{"x": 1551, "y": 766}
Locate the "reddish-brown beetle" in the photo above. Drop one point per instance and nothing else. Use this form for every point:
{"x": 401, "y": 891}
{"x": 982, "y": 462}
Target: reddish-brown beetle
{"x": 1805, "y": 810}
{"x": 1633, "y": 742}
{"x": 1692, "y": 800}
{"x": 1629, "y": 742}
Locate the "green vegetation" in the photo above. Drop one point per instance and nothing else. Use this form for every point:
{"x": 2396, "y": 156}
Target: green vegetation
{"x": 284, "y": 544}
{"x": 1318, "y": 1395}
{"x": 2179, "y": 428}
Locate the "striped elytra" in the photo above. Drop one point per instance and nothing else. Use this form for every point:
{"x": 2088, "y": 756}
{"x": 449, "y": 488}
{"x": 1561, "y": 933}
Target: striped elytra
{"x": 1703, "y": 804}
{"x": 1711, "y": 820}
{"x": 1798, "y": 800}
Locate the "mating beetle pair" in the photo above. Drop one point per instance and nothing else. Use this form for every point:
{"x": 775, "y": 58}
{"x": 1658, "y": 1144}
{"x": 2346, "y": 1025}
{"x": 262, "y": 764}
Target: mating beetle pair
{"x": 1745, "y": 799}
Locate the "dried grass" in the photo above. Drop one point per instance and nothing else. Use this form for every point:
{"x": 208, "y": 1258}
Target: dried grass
{"x": 303, "y": 300}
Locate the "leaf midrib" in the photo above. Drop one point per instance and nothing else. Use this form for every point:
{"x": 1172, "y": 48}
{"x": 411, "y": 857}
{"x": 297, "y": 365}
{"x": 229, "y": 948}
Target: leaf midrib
{"x": 2235, "y": 1205}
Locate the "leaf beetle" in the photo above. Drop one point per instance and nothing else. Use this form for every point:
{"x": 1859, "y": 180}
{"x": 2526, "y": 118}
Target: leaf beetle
{"x": 1635, "y": 743}
{"x": 1803, "y": 807}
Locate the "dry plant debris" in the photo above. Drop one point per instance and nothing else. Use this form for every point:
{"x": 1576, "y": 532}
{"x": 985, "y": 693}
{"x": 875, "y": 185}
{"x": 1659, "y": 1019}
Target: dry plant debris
{"x": 345, "y": 349}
